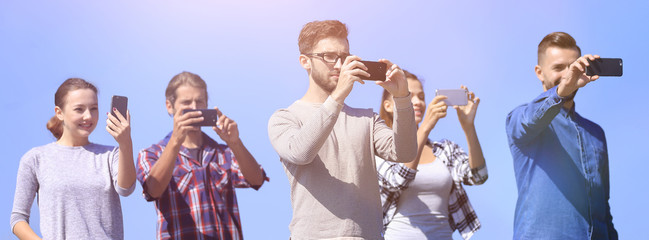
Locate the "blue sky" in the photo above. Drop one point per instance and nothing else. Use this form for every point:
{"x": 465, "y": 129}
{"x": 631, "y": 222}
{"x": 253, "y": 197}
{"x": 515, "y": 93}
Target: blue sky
{"x": 247, "y": 52}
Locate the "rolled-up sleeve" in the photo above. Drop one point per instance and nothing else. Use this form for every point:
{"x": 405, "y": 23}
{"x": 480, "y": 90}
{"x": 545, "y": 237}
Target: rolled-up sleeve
{"x": 146, "y": 159}
{"x": 461, "y": 168}
{"x": 236, "y": 175}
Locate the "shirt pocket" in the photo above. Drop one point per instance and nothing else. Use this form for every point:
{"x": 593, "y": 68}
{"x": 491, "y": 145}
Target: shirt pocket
{"x": 220, "y": 176}
{"x": 598, "y": 160}
{"x": 183, "y": 176}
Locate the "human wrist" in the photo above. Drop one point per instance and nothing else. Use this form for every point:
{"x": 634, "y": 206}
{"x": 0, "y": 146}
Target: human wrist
{"x": 234, "y": 142}
{"x": 467, "y": 124}
{"x": 125, "y": 142}
{"x": 175, "y": 141}
{"x": 337, "y": 97}
{"x": 401, "y": 94}
{"x": 562, "y": 91}
{"x": 469, "y": 129}
{"x": 425, "y": 129}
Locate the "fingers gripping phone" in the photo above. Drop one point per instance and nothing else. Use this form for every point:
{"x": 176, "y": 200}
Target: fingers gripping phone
{"x": 209, "y": 117}
{"x": 120, "y": 103}
{"x": 605, "y": 67}
{"x": 376, "y": 70}
{"x": 454, "y": 97}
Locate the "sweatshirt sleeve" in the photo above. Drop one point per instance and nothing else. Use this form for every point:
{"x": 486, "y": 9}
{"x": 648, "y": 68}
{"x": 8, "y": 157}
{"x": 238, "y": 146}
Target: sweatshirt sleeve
{"x": 26, "y": 189}
{"x": 398, "y": 144}
{"x": 114, "y": 170}
{"x": 299, "y": 142}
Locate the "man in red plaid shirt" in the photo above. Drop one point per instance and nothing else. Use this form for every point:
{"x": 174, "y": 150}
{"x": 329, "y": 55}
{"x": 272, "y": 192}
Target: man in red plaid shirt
{"x": 190, "y": 177}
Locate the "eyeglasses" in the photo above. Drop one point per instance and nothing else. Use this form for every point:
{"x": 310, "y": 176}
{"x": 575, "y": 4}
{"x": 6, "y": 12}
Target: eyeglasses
{"x": 330, "y": 57}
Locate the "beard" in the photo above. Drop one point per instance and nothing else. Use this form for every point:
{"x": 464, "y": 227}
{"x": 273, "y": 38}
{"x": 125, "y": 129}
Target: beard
{"x": 323, "y": 80}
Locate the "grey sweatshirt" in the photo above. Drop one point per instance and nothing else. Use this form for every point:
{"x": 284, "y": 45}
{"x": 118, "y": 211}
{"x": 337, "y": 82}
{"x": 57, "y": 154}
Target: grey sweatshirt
{"x": 328, "y": 154}
{"x": 77, "y": 191}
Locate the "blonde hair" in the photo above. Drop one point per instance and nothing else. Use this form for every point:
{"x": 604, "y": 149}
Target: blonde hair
{"x": 184, "y": 78}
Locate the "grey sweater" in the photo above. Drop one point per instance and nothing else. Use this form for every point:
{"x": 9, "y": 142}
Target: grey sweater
{"x": 77, "y": 191}
{"x": 328, "y": 154}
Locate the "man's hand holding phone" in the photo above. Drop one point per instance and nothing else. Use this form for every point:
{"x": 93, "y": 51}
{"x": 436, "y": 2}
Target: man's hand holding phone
{"x": 350, "y": 71}
{"x": 183, "y": 123}
{"x": 226, "y": 128}
{"x": 395, "y": 80}
{"x": 354, "y": 70}
{"x": 575, "y": 77}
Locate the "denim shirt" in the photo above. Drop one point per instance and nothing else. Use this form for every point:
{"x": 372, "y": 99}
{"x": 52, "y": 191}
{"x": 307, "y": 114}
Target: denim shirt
{"x": 561, "y": 168}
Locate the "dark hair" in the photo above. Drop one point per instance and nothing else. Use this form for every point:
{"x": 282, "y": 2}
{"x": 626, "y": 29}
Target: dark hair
{"x": 184, "y": 78}
{"x": 556, "y": 39}
{"x": 383, "y": 113}
{"x": 317, "y": 30}
{"x": 55, "y": 125}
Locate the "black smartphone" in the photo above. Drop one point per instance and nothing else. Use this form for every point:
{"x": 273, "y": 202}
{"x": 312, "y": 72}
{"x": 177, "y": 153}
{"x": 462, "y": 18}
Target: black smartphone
{"x": 605, "y": 67}
{"x": 120, "y": 103}
{"x": 376, "y": 70}
{"x": 209, "y": 117}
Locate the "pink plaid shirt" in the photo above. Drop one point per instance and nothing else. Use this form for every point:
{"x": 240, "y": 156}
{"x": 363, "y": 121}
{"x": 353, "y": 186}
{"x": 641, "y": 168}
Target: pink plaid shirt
{"x": 200, "y": 202}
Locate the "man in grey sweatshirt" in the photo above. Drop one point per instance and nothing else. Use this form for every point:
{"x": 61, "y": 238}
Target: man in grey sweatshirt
{"x": 328, "y": 148}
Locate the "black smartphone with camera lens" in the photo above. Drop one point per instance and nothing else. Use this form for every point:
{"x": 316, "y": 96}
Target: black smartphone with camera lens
{"x": 120, "y": 103}
{"x": 209, "y": 117}
{"x": 611, "y": 67}
{"x": 376, "y": 70}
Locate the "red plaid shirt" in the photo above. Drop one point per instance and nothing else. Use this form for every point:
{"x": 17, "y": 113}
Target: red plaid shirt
{"x": 200, "y": 202}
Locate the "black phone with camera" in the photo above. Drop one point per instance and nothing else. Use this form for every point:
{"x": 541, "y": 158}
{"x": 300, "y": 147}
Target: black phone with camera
{"x": 602, "y": 67}
{"x": 209, "y": 117}
{"x": 120, "y": 103}
{"x": 376, "y": 70}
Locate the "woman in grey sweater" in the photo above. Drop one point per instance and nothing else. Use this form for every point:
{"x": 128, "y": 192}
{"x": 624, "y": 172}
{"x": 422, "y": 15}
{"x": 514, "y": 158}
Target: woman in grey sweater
{"x": 78, "y": 182}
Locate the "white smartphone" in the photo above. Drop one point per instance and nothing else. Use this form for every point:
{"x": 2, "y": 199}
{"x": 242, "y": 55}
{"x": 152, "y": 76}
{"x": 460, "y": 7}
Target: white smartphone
{"x": 455, "y": 97}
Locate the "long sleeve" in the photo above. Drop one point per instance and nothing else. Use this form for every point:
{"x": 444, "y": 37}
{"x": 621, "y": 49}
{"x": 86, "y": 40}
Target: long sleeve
{"x": 461, "y": 169}
{"x": 113, "y": 167}
{"x": 393, "y": 177}
{"x": 236, "y": 176}
{"x": 398, "y": 144}
{"x": 26, "y": 188}
{"x": 299, "y": 142}
{"x": 146, "y": 160}
{"x": 527, "y": 121}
